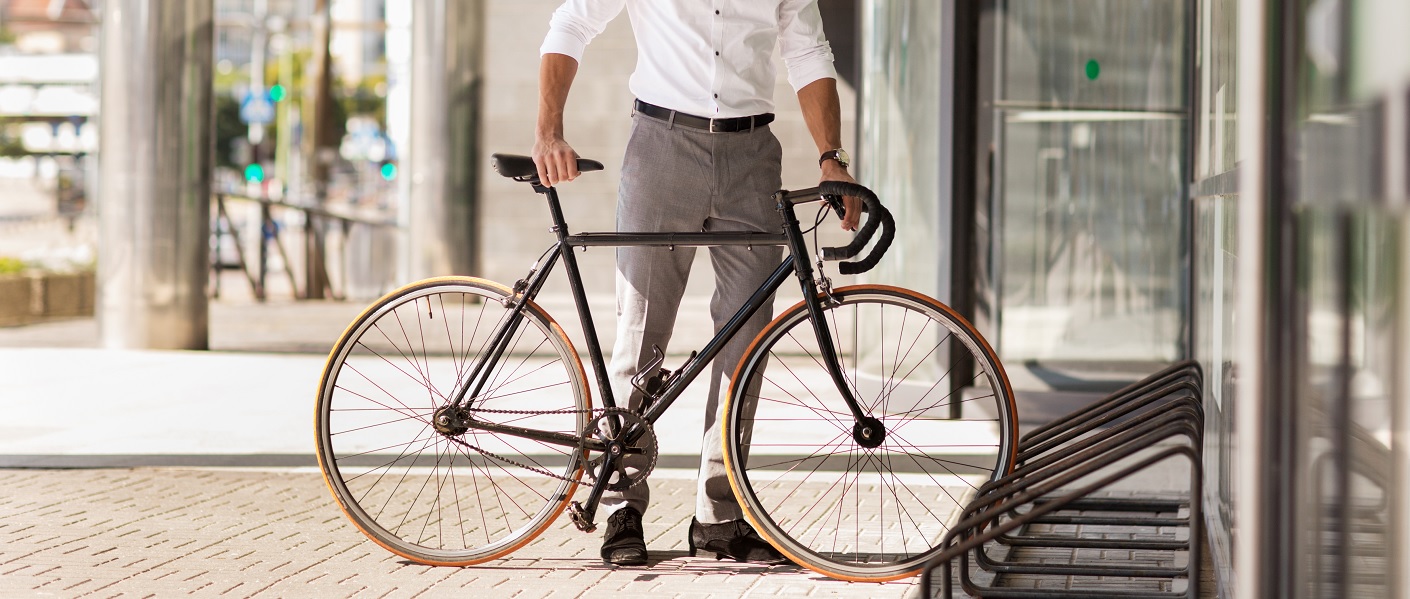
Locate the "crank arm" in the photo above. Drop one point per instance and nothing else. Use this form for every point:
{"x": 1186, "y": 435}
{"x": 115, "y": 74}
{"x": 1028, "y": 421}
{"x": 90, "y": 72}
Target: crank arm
{"x": 583, "y": 513}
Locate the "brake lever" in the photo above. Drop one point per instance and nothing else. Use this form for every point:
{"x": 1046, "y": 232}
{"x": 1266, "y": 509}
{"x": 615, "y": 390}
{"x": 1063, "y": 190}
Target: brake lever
{"x": 837, "y": 206}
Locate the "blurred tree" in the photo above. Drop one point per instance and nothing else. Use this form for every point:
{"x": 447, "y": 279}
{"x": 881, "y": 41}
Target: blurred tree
{"x": 363, "y": 99}
{"x": 228, "y": 128}
{"x": 10, "y": 145}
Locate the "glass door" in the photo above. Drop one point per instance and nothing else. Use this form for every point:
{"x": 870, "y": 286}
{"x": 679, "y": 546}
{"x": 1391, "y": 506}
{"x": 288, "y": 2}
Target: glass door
{"x": 1083, "y": 141}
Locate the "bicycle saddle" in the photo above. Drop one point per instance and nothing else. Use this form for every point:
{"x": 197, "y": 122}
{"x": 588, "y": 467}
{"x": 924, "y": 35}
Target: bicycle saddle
{"x": 522, "y": 167}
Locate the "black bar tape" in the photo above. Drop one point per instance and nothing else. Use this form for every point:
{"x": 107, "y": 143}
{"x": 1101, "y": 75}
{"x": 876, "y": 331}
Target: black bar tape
{"x": 878, "y": 215}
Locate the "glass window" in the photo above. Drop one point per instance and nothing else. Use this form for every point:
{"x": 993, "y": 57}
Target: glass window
{"x": 899, "y": 148}
{"x": 1088, "y": 200}
{"x": 1216, "y": 61}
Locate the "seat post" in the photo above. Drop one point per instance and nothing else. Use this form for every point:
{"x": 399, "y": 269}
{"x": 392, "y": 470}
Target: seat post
{"x": 555, "y": 209}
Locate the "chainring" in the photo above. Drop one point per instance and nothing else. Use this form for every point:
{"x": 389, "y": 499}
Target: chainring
{"x": 624, "y": 476}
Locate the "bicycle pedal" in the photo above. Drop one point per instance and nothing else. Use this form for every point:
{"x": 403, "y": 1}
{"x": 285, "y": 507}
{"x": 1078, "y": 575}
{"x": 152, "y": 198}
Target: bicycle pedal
{"x": 580, "y": 518}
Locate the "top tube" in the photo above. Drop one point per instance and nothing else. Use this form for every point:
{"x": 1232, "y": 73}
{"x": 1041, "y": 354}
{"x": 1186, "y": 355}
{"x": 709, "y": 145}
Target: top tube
{"x": 675, "y": 239}
{"x": 696, "y": 238}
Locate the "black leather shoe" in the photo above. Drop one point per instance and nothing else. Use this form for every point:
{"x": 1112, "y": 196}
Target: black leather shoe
{"x": 624, "y": 544}
{"x": 736, "y": 540}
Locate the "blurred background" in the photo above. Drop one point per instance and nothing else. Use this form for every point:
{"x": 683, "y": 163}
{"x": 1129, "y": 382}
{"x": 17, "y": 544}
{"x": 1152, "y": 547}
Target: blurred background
{"x": 315, "y": 206}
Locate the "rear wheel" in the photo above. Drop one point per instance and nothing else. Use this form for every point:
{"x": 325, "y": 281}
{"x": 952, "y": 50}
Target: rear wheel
{"x": 866, "y": 505}
{"x": 444, "y": 493}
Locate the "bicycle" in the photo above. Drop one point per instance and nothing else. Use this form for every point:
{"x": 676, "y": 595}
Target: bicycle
{"x": 455, "y": 420}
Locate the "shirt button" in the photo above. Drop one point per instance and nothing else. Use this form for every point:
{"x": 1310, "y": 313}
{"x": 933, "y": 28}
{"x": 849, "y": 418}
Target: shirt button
{"x": 717, "y": 12}
{"x": 717, "y": 96}
{"x": 717, "y": 53}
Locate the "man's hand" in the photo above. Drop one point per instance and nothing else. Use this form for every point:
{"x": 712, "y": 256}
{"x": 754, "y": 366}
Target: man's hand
{"x": 852, "y": 214}
{"x": 556, "y": 160}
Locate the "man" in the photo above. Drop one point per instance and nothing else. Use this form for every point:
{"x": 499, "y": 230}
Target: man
{"x": 700, "y": 157}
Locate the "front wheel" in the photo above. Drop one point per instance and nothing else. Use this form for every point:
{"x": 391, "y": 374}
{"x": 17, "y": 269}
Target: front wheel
{"x": 859, "y": 505}
{"x": 421, "y": 479}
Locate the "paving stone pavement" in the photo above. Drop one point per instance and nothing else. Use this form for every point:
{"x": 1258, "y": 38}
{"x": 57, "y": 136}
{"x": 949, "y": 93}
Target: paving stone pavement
{"x": 160, "y": 532}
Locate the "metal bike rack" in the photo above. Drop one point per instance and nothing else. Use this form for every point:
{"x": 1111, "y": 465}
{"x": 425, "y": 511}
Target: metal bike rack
{"x": 1060, "y": 467}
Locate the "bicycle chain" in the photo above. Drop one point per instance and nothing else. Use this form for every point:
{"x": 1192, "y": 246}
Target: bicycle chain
{"x": 581, "y": 449}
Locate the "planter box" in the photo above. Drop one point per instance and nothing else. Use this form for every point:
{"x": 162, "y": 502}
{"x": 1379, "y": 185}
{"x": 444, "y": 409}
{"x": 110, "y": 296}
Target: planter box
{"x": 31, "y": 298}
{"x": 67, "y": 295}
{"x": 16, "y": 300}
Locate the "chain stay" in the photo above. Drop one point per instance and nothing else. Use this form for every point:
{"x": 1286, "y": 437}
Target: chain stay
{"x": 490, "y": 454}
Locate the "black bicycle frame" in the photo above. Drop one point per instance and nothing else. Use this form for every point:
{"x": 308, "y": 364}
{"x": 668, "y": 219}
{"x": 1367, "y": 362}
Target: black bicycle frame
{"x": 526, "y": 290}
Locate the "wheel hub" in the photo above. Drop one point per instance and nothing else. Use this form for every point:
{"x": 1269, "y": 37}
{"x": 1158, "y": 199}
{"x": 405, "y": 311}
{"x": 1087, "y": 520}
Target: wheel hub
{"x": 451, "y": 420}
{"x": 869, "y": 432}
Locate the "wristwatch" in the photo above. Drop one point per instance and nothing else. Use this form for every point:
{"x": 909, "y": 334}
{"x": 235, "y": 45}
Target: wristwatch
{"x": 840, "y": 155}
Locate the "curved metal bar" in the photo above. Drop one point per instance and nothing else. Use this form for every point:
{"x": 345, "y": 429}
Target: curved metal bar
{"x": 961, "y": 548}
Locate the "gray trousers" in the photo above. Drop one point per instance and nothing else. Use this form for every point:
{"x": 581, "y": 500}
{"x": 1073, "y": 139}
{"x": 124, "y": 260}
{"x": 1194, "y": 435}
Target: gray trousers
{"x": 682, "y": 179}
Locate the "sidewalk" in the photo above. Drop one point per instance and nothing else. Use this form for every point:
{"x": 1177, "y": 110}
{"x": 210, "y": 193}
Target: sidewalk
{"x": 193, "y": 473}
{"x": 277, "y": 533}
{"x": 146, "y": 473}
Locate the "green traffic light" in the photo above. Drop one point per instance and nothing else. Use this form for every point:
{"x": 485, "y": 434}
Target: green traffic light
{"x": 254, "y": 173}
{"x": 277, "y": 93}
{"x": 389, "y": 171}
{"x": 1093, "y": 70}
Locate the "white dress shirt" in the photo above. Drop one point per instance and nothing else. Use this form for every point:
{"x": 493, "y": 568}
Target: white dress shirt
{"x": 710, "y": 58}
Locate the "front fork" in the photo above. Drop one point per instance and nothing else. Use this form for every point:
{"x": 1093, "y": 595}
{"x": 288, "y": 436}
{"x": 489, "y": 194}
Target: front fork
{"x": 867, "y": 430}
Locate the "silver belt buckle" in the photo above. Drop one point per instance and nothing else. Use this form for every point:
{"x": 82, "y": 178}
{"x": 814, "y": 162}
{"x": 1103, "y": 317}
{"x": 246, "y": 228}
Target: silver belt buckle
{"x": 712, "y": 126}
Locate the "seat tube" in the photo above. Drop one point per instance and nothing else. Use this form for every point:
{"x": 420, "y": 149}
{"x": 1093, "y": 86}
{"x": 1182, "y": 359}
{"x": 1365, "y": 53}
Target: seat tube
{"x": 798, "y": 246}
{"x": 575, "y": 284}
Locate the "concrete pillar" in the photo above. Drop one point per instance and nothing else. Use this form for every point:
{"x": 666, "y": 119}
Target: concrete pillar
{"x": 446, "y": 77}
{"x": 156, "y": 150}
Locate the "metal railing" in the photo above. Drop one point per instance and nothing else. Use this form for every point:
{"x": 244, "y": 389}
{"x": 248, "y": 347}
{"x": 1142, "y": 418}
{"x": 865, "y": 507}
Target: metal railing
{"x": 314, "y": 230}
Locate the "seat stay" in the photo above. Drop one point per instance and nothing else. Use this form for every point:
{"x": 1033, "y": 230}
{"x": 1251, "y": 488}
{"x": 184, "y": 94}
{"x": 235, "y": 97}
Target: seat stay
{"x": 499, "y": 340}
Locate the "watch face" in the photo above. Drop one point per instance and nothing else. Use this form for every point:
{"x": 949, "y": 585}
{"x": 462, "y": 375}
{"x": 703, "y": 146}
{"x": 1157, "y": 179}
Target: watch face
{"x": 840, "y": 155}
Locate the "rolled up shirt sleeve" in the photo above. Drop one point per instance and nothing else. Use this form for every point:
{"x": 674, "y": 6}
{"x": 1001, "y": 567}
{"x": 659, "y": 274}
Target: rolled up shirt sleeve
{"x": 801, "y": 43}
{"x": 576, "y": 23}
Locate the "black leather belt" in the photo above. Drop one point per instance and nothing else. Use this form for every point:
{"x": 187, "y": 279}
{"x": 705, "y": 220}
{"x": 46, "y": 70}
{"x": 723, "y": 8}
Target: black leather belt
{"x": 730, "y": 125}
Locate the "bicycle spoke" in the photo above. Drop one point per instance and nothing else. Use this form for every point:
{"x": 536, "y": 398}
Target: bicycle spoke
{"x": 363, "y": 428}
{"x": 917, "y": 413}
{"x": 387, "y": 466}
{"x": 384, "y": 406}
{"x": 415, "y": 363}
{"x": 421, "y": 381}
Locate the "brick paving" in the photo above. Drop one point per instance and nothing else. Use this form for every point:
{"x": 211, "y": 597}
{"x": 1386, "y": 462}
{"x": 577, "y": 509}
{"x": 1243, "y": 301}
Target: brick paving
{"x": 229, "y": 533}
{"x": 153, "y": 532}
{"x": 1106, "y": 557}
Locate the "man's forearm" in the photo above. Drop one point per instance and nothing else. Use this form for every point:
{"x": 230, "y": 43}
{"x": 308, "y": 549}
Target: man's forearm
{"x": 556, "y": 73}
{"x": 556, "y": 160}
{"x": 822, "y": 111}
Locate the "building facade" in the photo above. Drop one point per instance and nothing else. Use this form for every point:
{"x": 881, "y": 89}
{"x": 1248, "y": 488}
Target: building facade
{"x": 1108, "y": 186}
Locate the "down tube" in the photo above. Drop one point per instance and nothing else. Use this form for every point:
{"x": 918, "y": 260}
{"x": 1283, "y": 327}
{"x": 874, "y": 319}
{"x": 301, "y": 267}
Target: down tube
{"x": 712, "y": 349}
